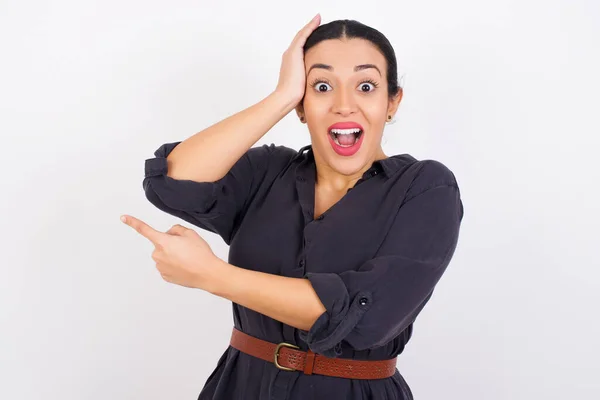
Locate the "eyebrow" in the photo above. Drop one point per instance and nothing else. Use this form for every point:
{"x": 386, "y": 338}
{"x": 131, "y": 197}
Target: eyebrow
{"x": 356, "y": 69}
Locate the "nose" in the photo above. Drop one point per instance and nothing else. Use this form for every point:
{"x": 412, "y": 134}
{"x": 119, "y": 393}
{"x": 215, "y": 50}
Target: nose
{"x": 344, "y": 102}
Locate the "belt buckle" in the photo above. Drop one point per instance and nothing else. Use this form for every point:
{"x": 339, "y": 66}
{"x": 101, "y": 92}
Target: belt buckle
{"x": 279, "y": 346}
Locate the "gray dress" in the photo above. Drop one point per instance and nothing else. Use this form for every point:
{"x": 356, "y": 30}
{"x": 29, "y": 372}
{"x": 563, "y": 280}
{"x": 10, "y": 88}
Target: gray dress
{"x": 373, "y": 258}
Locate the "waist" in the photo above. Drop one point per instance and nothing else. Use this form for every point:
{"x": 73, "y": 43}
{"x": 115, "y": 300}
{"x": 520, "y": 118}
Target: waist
{"x": 289, "y": 357}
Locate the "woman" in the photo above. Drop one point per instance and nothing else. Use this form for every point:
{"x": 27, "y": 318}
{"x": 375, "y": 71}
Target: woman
{"x": 334, "y": 249}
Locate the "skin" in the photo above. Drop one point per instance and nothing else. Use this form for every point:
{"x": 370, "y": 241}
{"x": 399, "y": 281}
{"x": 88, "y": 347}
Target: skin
{"x": 184, "y": 258}
{"x": 345, "y": 98}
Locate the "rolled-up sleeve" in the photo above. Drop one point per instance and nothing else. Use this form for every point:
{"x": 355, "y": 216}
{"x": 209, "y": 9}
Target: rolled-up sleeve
{"x": 370, "y": 306}
{"x": 217, "y": 206}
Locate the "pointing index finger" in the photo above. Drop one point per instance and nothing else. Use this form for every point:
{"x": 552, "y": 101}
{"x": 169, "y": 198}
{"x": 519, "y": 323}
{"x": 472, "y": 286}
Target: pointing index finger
{"x": 143, "y": 229}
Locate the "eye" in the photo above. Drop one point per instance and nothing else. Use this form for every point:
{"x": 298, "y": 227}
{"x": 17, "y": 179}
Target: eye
{"x": 320, "y": 84}
{"x": 366, "y": 84}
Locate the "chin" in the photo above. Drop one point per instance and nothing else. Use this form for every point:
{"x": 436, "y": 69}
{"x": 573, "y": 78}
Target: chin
{"x": 346, "y": 165}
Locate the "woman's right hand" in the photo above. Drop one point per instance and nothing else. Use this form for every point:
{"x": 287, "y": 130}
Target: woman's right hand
{"x": 292, "y": 75}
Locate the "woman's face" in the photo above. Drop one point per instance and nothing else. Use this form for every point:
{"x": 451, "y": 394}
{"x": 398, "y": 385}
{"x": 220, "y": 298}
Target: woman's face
{"x": 339, "y": 90}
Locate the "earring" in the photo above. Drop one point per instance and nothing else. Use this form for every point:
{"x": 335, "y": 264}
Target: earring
{"x": 301, "y": 119}
{"x": 390, "y": 120}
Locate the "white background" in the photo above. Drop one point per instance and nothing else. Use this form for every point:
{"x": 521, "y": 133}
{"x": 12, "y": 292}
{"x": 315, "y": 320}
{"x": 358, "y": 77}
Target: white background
{"x": 504, "y": 93}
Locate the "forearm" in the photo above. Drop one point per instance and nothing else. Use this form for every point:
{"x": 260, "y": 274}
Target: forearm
{"x": 209, "y": 154}
{"x": 292, "y": 301}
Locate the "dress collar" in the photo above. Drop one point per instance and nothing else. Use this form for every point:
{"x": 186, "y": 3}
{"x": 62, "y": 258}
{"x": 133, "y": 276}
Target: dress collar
{"x": 389, "y": 165}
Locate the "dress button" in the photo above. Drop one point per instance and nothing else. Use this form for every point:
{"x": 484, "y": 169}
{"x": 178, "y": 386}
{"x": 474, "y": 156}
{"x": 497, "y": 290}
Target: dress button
{"x": 299, "y": 178}
{"x": 301, "y": 263}
{"x": 320, "y": 217}
{"x": 363, "y": 301}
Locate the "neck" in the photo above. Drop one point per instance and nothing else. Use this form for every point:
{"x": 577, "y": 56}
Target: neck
{"x": 331, "y": 180}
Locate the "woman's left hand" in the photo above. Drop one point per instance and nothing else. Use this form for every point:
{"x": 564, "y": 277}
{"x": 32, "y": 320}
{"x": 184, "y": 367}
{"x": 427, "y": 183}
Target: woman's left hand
{"x": 181, "y": 255}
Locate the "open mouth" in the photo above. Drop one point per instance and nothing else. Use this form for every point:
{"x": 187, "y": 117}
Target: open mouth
{"x": 345, "y": 137}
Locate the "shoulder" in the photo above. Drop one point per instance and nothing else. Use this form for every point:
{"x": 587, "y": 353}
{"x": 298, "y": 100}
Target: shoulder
{"x": 271, "y": 154}
{"x": 433, "y": 173}
{"x": 273, "y": 159}
{"x": 423, "y": 175}
{"x": 274, "y": 150}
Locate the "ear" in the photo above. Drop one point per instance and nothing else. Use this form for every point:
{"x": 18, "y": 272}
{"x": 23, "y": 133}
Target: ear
{"x": 300, "y": 110}
{"x": 395, "y": 102}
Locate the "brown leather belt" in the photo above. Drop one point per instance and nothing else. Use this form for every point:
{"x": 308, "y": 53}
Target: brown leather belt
{"x": 286, "y": 357}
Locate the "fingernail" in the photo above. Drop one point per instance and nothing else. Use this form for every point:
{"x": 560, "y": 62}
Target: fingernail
{"x": 123, "y": 218}
{"x": 315, "y": 17}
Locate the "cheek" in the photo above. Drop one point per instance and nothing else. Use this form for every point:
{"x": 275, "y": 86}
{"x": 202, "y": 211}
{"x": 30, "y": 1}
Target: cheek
{"x": 314, "y": 103}
{"x": 374, "y": 110}
{"x": 316, "y": 110}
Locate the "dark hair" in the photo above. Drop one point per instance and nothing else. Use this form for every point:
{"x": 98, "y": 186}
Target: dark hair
{"x": 349, "y": 29}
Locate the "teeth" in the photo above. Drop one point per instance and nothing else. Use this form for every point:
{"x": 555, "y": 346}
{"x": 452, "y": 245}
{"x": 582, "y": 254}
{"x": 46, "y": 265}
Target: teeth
{"x": 345, "y": 131}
